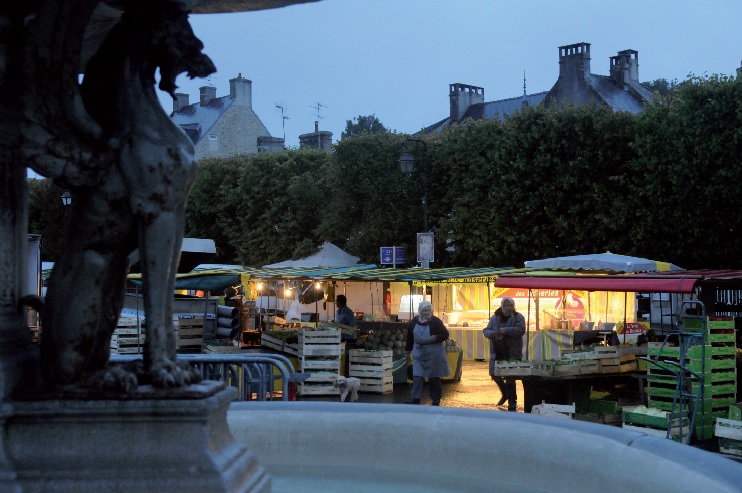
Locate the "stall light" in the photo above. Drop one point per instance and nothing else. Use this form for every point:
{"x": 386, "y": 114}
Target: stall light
{"x": 260, "y": 286}
{"x": 288, "y": 291}
{"x": 318, "y": 285}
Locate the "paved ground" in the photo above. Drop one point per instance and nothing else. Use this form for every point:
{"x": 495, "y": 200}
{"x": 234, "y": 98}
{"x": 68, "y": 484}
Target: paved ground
{"x": 476, "y": 390}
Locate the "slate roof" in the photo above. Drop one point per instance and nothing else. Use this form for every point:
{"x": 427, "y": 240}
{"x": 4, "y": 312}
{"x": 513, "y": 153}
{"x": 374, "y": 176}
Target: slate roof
{"x": 197, "y": 120}
{"x": 493, "y": 109}
{"x": 617, "y": 97}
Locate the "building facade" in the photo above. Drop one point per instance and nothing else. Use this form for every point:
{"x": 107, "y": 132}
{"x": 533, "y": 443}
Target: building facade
{"x": 224, "y": 126}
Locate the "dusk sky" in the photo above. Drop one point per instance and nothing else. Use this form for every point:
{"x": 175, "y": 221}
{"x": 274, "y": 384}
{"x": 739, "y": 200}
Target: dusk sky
{"x": 396, "y": 58}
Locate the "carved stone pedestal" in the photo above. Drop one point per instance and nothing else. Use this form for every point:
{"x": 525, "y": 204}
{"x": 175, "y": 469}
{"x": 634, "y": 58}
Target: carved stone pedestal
{"x": 151, "y": 441}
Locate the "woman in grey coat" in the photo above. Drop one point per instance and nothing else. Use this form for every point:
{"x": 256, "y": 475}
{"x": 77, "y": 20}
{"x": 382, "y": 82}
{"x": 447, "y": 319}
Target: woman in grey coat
{"x": 425, "y": 336}
{"x": 505, "y": 331}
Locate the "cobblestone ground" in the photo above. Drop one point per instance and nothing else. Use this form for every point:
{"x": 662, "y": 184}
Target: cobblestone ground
{"x": 476, "y": 390}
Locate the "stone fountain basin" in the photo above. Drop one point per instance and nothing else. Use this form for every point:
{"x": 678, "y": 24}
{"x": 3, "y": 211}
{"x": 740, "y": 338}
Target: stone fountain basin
{"x": 453, "y": 449}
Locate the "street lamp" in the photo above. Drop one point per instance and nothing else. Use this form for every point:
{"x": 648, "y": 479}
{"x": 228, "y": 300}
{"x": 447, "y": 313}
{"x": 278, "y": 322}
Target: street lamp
{"x": 407, "y": 166}
{"x": 66, "y": 198}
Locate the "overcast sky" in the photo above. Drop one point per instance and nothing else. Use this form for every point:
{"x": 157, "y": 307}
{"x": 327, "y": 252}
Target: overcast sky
{"x": 395, "y": 58}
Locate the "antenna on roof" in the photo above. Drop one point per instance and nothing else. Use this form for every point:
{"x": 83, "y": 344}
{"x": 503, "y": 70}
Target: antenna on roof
{"x": 284, "y": 117}
{"x": 210, "y": 79}
{"x": 317, "y": 110}
{"x": 524, "y": 83}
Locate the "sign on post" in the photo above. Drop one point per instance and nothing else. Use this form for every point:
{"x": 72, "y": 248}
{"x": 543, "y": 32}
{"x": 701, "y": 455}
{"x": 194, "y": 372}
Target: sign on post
{"x": 425, "y": 249}
{"x": 393, "y": 256}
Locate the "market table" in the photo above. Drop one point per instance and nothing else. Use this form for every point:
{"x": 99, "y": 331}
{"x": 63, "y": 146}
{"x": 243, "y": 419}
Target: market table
{"x": 561, "y": 389}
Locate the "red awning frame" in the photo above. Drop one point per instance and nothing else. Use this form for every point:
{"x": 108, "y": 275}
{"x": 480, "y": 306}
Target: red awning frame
{"x": 628, "y": 283}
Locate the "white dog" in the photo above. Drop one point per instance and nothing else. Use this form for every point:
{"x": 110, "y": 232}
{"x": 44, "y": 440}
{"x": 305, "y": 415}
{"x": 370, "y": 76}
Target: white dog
{"x": 348, "y": 385}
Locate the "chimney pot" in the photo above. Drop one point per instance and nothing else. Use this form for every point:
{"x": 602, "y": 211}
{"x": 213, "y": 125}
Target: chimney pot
{"x": 207, "y": 94}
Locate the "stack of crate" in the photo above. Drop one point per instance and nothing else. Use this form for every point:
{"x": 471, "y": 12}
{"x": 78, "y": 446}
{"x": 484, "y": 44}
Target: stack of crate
{"x": 320, "y": 353}
{"x": 373, "y": 368}
{"x": 715, "y": 361}
{"x": 189, "y": 331}
{"x": 656, "y": 423}
{"x": 127, "y": 336}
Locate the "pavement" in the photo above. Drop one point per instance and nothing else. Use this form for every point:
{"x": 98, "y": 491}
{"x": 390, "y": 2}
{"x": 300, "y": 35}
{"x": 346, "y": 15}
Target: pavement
{"x": 476, "y": 390}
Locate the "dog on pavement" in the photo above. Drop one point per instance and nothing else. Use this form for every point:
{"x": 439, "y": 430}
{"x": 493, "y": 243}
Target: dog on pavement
{"x": 349, "y": 385}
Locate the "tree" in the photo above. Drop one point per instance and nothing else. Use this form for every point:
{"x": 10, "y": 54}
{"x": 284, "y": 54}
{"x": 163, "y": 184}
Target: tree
{"x": 363, "y": 125}
{"x": 48, "y": 217}
{"x": 662, "y": 87}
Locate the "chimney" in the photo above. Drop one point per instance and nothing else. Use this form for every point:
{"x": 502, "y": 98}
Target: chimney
{"x": 574, "y": 61}
{"x": 461, "y": 97}
{"x": 625, "y": 67}
{"x": 207, "y": 94}
{"x": 240, "y": 90}
{"x": 316, "y": 126}
{"x": 180, "y": 101}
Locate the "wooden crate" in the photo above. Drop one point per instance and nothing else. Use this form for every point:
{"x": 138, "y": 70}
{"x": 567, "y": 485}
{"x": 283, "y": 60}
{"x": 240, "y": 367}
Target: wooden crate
{"x": 217, "y": 347}
{"x": 606, "y": 351}
{"x": 621, "y": 364}
{"x": 524, "y": 368}
{"x": 189, "y": 320}
{"x": 127, "y": 350}
{"x": 564, "y": 368}
{"x": 321, "y": 363}
{"x": 728, "y": 428}
{"x": 562, "y": 411}
{"x": 383, "y": 385}
{"x": 371, "y": 364}
{"x": 279, "y": 344}
{"x": 320, "y": 342}
{"x": 578, "y": 355}
{"x": 589, "y": 366}
{"x": 317, "y": 388}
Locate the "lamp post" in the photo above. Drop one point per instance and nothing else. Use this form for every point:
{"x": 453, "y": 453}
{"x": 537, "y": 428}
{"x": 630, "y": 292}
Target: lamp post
{"x": 66, "y": 198}
{"x": 407, "y": 166}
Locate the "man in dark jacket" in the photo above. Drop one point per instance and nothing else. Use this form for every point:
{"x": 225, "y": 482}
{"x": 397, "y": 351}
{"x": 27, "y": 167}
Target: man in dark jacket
{"x": 505, "y": 331}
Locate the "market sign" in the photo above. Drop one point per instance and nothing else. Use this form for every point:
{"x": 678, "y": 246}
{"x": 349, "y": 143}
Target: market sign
{"x": 393, "y": 255}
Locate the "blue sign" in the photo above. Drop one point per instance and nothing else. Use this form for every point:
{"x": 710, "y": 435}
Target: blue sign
{"x": 393, "y": 255}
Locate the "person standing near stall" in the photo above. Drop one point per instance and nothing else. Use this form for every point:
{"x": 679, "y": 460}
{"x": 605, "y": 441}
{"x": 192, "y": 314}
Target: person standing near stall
{"x": 505, "y": 331}
{"x": 425, "y": 342}
{"x": 344, "y": 315}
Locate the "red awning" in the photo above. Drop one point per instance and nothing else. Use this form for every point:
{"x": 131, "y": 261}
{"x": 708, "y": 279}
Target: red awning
{"x": 637, "y": 283}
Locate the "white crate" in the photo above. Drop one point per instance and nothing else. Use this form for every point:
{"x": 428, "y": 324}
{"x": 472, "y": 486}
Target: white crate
{"x": 578, "y": 355}
{"x": 524, "y": 368}
{"x": 126, "y": 331}
{"x": 384, "y": 385}
{"x": 320, "y": 363}
{"x": 308, "y": 388}
{"x": 128, "y": 322}
{"x": 728, "y": 428}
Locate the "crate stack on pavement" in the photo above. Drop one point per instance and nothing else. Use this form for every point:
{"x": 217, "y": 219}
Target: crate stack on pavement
{"x": 320, "y": 352}
{"x": 729, "y": 432}
{"x": 373, "y": 369}
{"x": 189, "y": 331}
{"x": 713, "y": 358}
{"x": 128, "y": 337}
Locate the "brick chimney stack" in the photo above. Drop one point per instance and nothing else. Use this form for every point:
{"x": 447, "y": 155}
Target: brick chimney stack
{"x": 574, "y": 61}
{"x": 207, "y": 94}
{"x": 240, "y": 90}
{"x": 461, "y": 97}
{"x": 625, "y": 67}
{"x": 180, "y": 101}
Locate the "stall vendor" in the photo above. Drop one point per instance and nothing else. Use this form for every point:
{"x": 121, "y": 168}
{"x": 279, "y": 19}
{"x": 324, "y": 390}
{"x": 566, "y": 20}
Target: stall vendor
{"x": 345, "y": 315}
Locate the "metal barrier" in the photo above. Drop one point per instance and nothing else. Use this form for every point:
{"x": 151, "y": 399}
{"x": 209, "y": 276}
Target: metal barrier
{"x": 251, "y": 374}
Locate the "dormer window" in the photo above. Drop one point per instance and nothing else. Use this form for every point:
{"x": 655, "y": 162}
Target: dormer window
{"x": 213, "y": 137}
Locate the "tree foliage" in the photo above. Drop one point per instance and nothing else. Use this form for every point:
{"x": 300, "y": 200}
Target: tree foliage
{"x": 664, "y": 184}
{"x": 363, "y": 125}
